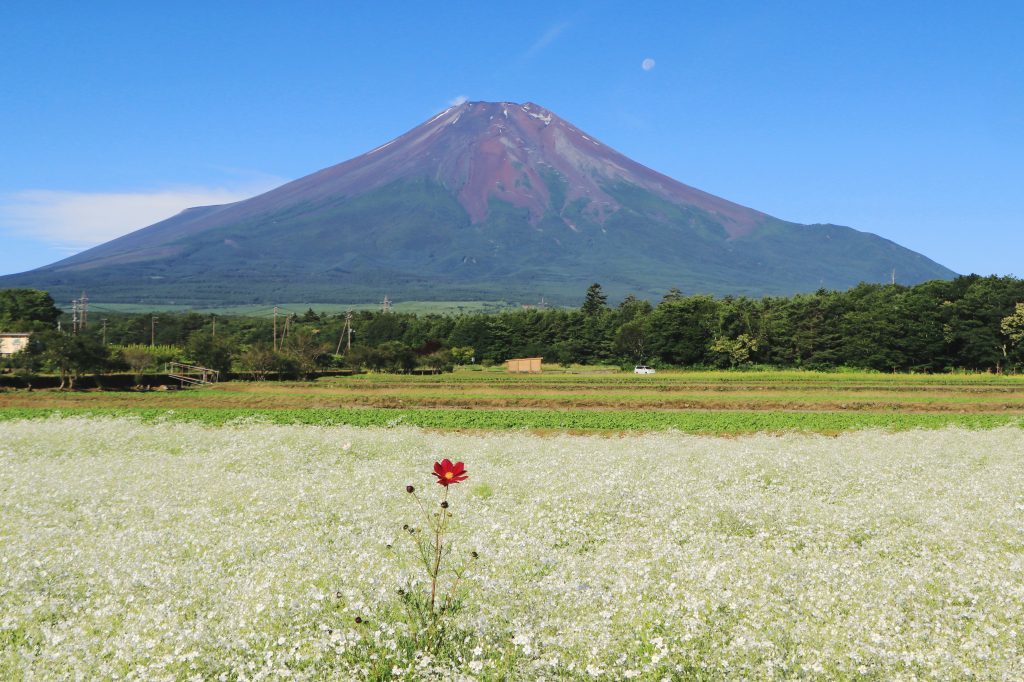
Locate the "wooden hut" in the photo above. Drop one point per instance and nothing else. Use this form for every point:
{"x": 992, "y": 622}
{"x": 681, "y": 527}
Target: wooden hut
{"x": 526, "y": 365}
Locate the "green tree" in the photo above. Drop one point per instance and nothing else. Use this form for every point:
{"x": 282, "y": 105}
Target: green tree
{"x": 383, "y": 327}
{"x": 871, "y": 324}
{"x": 27, "y": 310}
{"x": 257, "y": 361}
{"x": 681, "y": 330}
{"x": 595, "y": 302}
{"x": 462, "y": 354}
{"x": 811, "y": 329}
{"x": 632, "y": 308}
{"x": 307, "y": 350}
{"x": 473, "y": 331}
{"x": 734, "y": 351}
{"x": 1013, "y": 324}
{"x": 27, "y": 363}
{"x": 440, "y": 360}
{"x": 672, "y": 294}
{"x": 973, "y": 327}
{"x": 1012, "y": 327}
{"x": 138, "y": 360}
{"x": 632, "y": 338}
{"x": 390, "y": 356}
{"x": 73, "y": 355}
{"x": 206, "y": 350}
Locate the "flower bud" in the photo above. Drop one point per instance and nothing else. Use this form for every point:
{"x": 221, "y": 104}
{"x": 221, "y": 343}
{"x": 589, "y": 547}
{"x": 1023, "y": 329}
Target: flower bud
{"x": 358, "y": 620}
{"x": 444, "y": 505}
{"x": 405, "y": 526}
{"x": 410, "y": 489}
{"x": 475, "y": 555}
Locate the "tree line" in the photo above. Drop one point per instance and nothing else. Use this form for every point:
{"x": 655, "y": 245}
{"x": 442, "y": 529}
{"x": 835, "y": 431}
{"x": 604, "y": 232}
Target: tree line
{"x": 970, "y": 323}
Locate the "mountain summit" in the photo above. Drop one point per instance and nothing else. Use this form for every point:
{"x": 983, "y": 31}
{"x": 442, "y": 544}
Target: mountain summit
{"x": 484, "y": 201}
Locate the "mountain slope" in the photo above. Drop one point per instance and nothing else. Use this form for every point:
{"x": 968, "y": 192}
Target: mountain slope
{"x": 483, "y": 201}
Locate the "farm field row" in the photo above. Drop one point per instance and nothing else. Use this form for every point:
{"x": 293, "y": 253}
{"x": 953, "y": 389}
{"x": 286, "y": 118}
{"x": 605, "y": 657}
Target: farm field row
{"x": 711, "y": 422}
{"x": 248, "y": 551}
{"x": 553, "y": 373}
{"x": 416, "y": 400}
{"x": 704, "y": 402}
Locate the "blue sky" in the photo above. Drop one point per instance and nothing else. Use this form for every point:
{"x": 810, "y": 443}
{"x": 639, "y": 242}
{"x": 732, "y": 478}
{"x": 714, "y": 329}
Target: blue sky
{"x": 903, "y": 119}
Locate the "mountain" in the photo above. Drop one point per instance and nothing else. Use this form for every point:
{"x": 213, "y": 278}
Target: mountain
{"x": 484, "y": 201}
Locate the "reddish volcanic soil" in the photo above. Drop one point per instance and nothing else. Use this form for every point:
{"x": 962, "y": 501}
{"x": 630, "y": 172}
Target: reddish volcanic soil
{"x": 483, "y": 150}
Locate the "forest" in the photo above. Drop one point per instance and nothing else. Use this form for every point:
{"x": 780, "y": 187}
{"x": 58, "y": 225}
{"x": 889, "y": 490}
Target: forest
{"x": 970, "y": 323}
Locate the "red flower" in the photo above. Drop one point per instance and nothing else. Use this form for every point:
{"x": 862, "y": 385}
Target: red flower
{"x": 448, "y": 473}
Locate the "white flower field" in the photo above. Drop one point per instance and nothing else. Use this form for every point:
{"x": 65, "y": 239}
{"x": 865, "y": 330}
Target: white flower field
{"x": 180, "y": 551}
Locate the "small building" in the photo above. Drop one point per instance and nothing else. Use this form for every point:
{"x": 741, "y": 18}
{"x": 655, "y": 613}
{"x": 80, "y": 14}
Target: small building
{"x": 526, "y": 365}
{"x": 12, "y": 342}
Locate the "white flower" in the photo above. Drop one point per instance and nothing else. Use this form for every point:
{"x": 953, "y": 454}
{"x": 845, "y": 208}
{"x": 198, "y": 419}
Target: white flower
{"x": 163, "y": 548}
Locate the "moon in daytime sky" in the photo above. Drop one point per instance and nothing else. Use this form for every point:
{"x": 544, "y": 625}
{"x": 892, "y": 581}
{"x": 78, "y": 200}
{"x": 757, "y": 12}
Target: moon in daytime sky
{"x": 647, "y": 64}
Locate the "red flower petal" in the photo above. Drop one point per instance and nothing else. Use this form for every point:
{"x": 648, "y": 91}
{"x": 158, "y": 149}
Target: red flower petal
{"x": 447, "y": 473}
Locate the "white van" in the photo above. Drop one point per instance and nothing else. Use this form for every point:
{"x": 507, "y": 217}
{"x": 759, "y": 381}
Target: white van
{"x": 643, "y": 369}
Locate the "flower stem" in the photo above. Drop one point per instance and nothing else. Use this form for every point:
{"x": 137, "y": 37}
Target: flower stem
{"x": 438, "y": 540}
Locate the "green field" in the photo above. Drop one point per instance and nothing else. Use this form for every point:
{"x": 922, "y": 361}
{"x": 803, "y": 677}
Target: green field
{"x": 417, "y": 307}
{"x": 716, "y": 423}
{"x": 578, "y": 400}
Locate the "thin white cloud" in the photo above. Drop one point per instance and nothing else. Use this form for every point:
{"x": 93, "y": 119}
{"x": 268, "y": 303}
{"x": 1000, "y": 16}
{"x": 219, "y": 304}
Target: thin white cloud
{"x": 75, "y": 220}
{"x": 549, "y": 36}
{"x": 457, "y": 100}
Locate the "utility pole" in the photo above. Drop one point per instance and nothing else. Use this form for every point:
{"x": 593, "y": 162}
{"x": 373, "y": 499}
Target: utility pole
{"x": 84, "y": 304}
{"x": 104, "y": 321}
{"x": 284, "y": 334}
{"x": 214, "y": 326}
{"x": 346, "y": 331}
{"x": 79, "y": 313}
{"x": 275, "y": 328}
{"x": 152, "y": 331}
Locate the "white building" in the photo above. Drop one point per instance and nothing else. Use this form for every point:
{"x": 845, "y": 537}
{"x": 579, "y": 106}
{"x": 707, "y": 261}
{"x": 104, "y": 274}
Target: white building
{"x": 12, "y": 342}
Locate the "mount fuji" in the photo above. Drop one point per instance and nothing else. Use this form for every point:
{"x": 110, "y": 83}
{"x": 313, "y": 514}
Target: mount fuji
{"x": 484, "y": 201}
